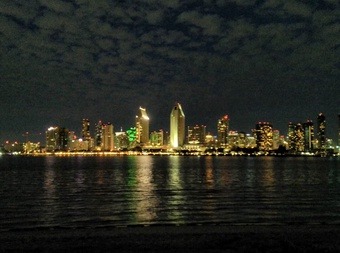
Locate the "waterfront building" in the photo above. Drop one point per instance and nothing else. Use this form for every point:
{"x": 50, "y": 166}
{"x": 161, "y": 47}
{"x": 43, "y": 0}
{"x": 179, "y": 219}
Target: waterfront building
{"x": 156, "y": 138}
{"x": 223, "y": 131}
{"x": 85, "y": 130}
{"x": 177, "y": 126}
{"x": 308, "y": 128}
{"x": 251, "y": 141}
{"x": 98, "y": 135}
{"x": 142, "y": 126}
{"x": 210, "y": 140}
{"x": 86, "y": 134}
{"x": 276, "y": 139}
{"x": 13, "y": 147}
{"x": 78, "y": 145}
{"x": 242, "y": 140}
{"x": 264, "y": 136}
{"x": 196, "y": 134}
{"x": 57, "y": 139}
{"x": 298, "y": 138}
{"x": 108, "y": 137}
{"x": 232, "y": 140}
{"x": 321, "y": 133}
{"x": 166, "y": 138}
{"x": 291, "y": 133}
{"x": 121, "y": 140}
{"x": 31, "y": 147}
{"x": 132, "y": 136}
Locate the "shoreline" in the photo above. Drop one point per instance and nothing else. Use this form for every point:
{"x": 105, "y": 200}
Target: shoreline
{"x": 199, "y": 238}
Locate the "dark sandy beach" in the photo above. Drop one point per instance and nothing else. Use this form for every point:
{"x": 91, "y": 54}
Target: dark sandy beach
{"x": 252, "y": 238}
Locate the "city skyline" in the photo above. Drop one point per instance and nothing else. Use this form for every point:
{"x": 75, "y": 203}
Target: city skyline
{"x": 61, "y": 61}
{"x": 300, "y": 137}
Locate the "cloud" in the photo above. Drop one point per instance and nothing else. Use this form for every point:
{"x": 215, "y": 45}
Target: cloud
{"x": 210, "y": 23}
{"x": 101, "y": 56}
{"x": 23, "y": 12}
{"x": 57, "y": 6}
{"x": 154, "y": 17}
{"x": 297, "y": 8}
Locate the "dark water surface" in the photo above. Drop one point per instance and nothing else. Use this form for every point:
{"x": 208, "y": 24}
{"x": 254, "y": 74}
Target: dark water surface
{"x": 90, "y": 191}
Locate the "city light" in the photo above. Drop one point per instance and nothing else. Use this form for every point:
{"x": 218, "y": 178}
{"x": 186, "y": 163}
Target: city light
{"x": 302, "y": 139}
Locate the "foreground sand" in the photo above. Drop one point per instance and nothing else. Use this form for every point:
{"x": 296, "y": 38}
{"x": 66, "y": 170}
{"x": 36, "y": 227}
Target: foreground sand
{"x": 252, "y": 238}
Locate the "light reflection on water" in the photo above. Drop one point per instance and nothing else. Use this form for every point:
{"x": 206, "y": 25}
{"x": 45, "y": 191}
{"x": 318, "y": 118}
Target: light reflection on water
{"x": 108, "y": 191}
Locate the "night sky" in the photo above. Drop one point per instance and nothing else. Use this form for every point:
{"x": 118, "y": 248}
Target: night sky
{"x": 61, "y": 61}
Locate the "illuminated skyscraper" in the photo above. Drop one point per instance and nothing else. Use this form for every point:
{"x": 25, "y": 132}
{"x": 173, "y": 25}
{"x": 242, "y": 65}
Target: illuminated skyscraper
{"x": 177, "y": 126}
{"x": 196, "y": 134}
{"x": 85, "y": 130}
{"x": 57, "y": 139}
{"x": 299, "y": 138}
{"x": 142, "y": 126}
{"x": 291, "y": 133}
{"x": 156, "y": 138}
{"x": 223, "y": 131}
{"x": 308, "y": 128}
{"x": 51, "y": 138}
{"x": 321, "y": 133}
{"x": 108, "y": 137}
{"x": 276, "y": 139}
{"x": 98, "y": 134}
{"x": 264, "y": 136}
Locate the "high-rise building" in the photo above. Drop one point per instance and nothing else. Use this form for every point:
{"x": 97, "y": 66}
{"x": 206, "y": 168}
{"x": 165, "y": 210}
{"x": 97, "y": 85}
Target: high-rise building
{"x": 264, "y": 136}
{"x": 108, "y": 137}
{"x": 98, "y": 134}
{"x": 51, "y": 138}
{"x": 177, "y": 126}
{"x": 233, "y": 138}
{"x": 85, "y": 130}
{"x": 196, "y": 134}
{"x": 299, "y": 138}
{"x": 223, "y": 131}
{"x": 121, "y": 140}
{"x": 321, "y": 133}
{"x": 142, "y": 126}
{"x": 57, "y": 139}
{"x": 242, "y": 140}
{"x": 276, "y": 139}
{"x": 308, "y": 128}
{"x": 156, "y": 138}
{"x": 291, "y": 134}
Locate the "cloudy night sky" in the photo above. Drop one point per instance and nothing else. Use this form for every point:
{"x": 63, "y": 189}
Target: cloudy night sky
{"x": 61, "y": 61}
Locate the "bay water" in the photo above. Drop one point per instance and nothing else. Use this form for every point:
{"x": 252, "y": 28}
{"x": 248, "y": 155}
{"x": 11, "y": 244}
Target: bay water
{"x": 104, "y": 191}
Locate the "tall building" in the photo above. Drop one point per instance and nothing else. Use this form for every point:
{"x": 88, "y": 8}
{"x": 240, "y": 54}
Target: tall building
{"x": 233, "y": 137}
{"x": 98, "y": 134}
{"x": 291, "y": 133}
{"x": 321, "y": 133}
{"x": 276, "y": 139}
{"x": 177, "y": 126}
{"x": 108, "y": 137}
{"x": 299, "y": 138}
{"x": 308, "y": 128}
{"x": 121, "y": 140}
{"x": 156, "y": 138}
{"x": 264, "y": 136}
{"x": 223, "y": 131}
{"x": 196, "y": 134}
{"x": 57, "y": 139}
{"x": 142, "y": 126}
{"x": 85, "y": 130}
